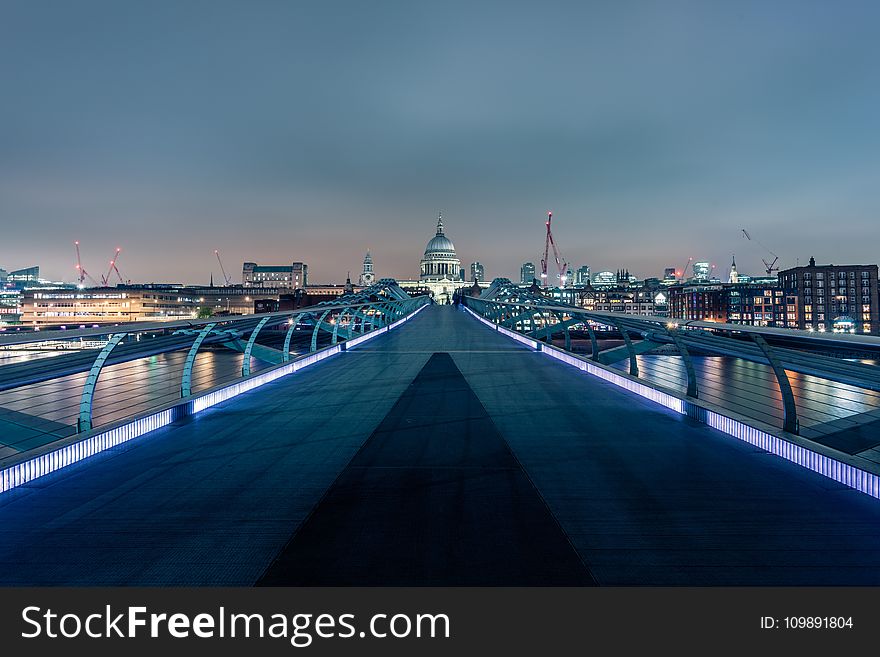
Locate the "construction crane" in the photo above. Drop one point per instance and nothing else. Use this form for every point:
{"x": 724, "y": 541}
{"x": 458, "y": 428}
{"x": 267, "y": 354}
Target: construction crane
{"x": 106, "y": 279}
{"x": 222, "y": 268}
{"x": 769, "y": 267}
{"x": 683, "y": 274}
{"x": 82, "y": 274}
{"x": 561, "y": 265}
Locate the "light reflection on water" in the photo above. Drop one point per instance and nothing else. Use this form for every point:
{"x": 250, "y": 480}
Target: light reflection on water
{"x": 130, "y": 388}
{"x": 751, "y": 388}
{"x": 123, "y": 390}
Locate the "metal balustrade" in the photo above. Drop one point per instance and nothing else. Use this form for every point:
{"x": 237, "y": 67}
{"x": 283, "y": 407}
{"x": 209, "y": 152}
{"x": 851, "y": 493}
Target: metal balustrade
{"x": 782, "y": 390}
{"x": 148, "y": 374}
{"x": 794, "y": 359}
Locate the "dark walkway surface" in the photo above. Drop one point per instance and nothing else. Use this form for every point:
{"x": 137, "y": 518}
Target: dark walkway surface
{"x": 644, "y": 496}
{"x": 434, "y": 497}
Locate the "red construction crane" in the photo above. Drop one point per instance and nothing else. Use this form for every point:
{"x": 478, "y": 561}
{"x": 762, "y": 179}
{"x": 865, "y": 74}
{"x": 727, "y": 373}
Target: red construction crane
{"x": 222, "y": 268}
{"x": 561, "y": 265}
{"x": 106, "y": 279}
{"x": 682, "y": 275}
{"x": 82, "y": 274}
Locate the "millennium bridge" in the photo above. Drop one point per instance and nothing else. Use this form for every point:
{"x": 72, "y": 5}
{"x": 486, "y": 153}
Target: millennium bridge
{"x": 384, "y": 440}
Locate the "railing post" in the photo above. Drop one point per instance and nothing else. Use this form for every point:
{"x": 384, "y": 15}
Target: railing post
{"x": 790, "y": 419}
{"x": 338, "y": 322}
{"x": 84, "y": 422}
{"x": 688, "y": 363}
{"x": 567, "y": 335}
{"x": 246, "y": 363}
{"x": 315, "y": 332}
{"x": 387, "y": 313}
{"x": 594, "y": 343}
{"x": 186, "y": 377}
{"x": 361, "y": 312}
{"x": 285, "y": 356}
{"x": 633, "y": 363}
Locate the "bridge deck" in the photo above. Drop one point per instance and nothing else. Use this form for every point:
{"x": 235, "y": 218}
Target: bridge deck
{"x": 388, "y": 464}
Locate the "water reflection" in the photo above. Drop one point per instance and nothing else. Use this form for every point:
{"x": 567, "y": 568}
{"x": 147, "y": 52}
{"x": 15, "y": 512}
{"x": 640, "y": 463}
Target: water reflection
{"x": 751, "y": 388}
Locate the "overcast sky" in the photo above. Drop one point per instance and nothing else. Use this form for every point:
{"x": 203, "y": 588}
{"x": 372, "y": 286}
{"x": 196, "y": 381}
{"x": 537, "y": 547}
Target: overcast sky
{"x": 281, "y": 131}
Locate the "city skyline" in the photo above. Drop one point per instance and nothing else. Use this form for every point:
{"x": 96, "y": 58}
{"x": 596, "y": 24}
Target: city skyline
{"x": 313, "y": 134}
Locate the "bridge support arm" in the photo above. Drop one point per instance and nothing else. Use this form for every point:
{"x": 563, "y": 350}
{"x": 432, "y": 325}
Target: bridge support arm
{"x": 84, "y": 422}
{"x": 246, "y": 363}
{"x": 186, "y": 377}
{"x": 633, "y": 363}
{"x": 318, "y": 326}
{"x": 343, "y": 313}
{"x": 790, "y": 419}
{"x": 594, "y": 343}
{"x": 688, "y": 363}
{"x": 285, "y": 355}
{"x": 360, "y": 311}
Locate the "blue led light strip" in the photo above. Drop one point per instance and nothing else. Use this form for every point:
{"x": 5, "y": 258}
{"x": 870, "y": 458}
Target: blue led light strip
{"x": 97, "y": 442}
{"x": 827, "y": 466}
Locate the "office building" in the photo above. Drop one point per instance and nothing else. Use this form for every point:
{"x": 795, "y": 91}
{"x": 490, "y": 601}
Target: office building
{"x": 701, "y": 271}
{"x": 27, "y": 275}
{"x": 841, "y": 298}
{"x": 105, "y": 305}
{"x": 293, "y": 276}
{"x": 732, "y": 303}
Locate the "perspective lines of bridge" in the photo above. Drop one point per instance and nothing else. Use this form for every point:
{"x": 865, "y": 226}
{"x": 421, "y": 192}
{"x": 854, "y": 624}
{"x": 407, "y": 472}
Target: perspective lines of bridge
{"x": 440, "y": 453}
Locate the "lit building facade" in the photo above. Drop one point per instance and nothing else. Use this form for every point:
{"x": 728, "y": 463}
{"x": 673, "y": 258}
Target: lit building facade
{"x": 621, "y": 299}
{"x": 842, "y": 298}
{"x": 733, "y": 303}
{"x": 477, "y": 272}
{"x": 605, "y": 279}
{"x": 295, "y": 275}
{"x": 527, "y": 273}
{"x": 105, "y": 305}
{"x": 10, "y": 306}
{"x": 701, "y": 271}
{"x": 26, "y": 275}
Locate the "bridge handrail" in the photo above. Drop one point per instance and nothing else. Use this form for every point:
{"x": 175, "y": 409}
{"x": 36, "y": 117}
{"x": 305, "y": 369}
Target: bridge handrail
{"x": 35, "y": 337}
{"x": 64, "y": 405}
{"x": 782, "y": 350}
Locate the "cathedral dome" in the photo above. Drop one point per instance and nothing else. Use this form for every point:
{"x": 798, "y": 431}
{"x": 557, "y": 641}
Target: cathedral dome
{"x": 439, "y": 261}
{"x": 440, "y": 243}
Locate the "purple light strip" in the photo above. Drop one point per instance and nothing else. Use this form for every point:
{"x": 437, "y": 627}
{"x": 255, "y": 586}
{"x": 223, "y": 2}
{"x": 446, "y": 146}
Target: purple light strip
{"x": 38, "y": 466}
{"x": 827, "y": 466}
